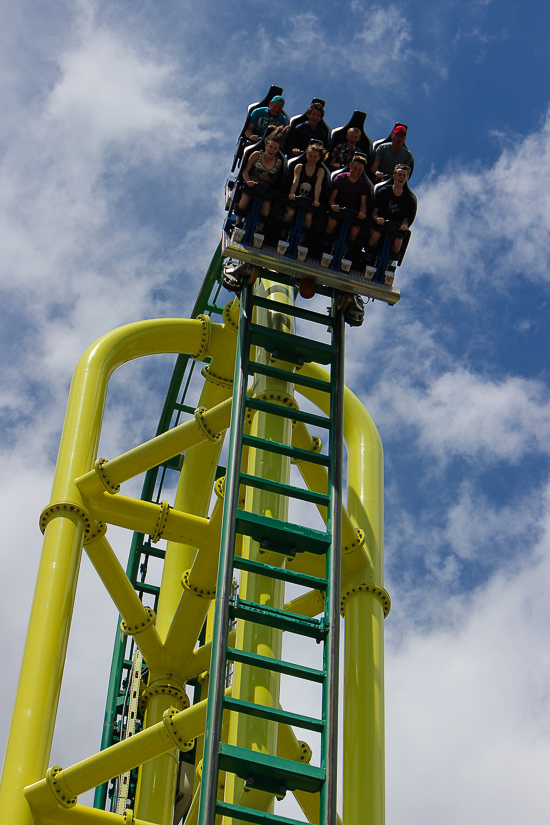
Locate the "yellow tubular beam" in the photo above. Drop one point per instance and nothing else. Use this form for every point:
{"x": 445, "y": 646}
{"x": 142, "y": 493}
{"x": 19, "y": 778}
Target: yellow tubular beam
{"x": 309, "y": 604}
{"x": 136, "y": 618}
{"x": 158, "y": 449}
{"x": 316, "y": 478}
{"x": 81, "y": 815}
{"x": 29, "y": 744}
{"x": 119, "y": 758}
{"x": 199, "y": 589}
{"x": 149, "y": 518}
{"x": 364, "y": 800}
{"x": 199, "y": 661}
{"x": 188, "y": 574}
{"x": 193, "y": 811}
{"x": 364, "y": 631}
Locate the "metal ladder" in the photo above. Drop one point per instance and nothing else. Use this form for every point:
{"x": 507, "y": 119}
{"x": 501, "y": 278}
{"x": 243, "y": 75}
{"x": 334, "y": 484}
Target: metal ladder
{"x": 264, "y": 771}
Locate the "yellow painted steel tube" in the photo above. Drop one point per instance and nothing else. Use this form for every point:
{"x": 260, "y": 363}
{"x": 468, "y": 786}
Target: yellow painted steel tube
{"x": 82, "y": 815}
{"x": 125, "y": 598}
{"x": 199, "y": 661}
{"x": 119, "y": 758}
{"x": 364, "y": 752}
{"x": 29, "y": 743}
{"x": 316, "y": 476}
{"x": 194, "y": 602}
{"x": 158, "y": 777}
{"x": 364, "y": 800}
{"x": 149, "y": 518}
{"x": 161, "y": 448}
{"x": 190, "y": 565}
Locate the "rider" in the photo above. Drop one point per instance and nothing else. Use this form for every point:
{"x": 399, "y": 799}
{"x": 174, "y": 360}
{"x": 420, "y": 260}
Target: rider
{"x": 264, "y": 167}
{"x": 388, "y": 155}
{"x": 307, "y": 182}
{"x": 351, "y": 190}
{"x": 394, "y": 203}
{"x": 265, "y": 116}
{"x": 312, "y": 130}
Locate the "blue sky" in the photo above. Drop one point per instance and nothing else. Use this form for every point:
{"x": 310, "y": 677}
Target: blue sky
{"x": 118, "y": 128}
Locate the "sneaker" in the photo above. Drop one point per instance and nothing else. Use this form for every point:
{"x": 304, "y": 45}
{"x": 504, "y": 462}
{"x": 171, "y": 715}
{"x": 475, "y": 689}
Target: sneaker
{"x": 233, "y": 275}
{"x": 354, "y": 313}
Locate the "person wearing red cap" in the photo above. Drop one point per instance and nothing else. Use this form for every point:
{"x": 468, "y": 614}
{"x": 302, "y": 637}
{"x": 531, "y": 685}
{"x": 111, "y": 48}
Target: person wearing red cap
{"x": 388, "y": 155}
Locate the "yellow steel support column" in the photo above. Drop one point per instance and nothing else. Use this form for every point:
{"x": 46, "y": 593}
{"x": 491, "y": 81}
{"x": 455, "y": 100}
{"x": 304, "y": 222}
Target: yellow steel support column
{"x": 183, "y": 601}
{"x": 365, "y": 604}
{"x": 66, "y": 524}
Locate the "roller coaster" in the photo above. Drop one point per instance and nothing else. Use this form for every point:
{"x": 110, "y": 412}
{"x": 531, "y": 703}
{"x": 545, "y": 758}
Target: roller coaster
{"x": 228, "y": 670}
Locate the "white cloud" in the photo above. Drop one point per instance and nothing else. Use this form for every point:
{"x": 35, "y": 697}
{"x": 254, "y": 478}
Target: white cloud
{"x": 468, "y": 702}
{"x": 494, "y": 223}
{"x": 461, "y": 413}
{"x": 374, "y": 44}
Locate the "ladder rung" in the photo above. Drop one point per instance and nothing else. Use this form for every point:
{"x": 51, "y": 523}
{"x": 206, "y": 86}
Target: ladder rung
{"x": 149, "y": 550}
{"x": 151, "y": 589}
{"x": 286, "y": 412}
{"x": 253, "y": 815}
{"x": 184, "y": 408}
{"x": 285, "y": 489}
{"x": 270, "y": 772}
{"x": 274, "y": 714}
{"x": 214, "y": 308}
{"x": 294, "y": 349}
{"x": 281, "y": 536}
{"x": 267, "y": 663}
{"x": 288, "y": 375}
{"x": 280, "y": 573}
{"x": 285, "y": 449}
{"x": 280, "y": 619}
{"x": 296, "y": 312}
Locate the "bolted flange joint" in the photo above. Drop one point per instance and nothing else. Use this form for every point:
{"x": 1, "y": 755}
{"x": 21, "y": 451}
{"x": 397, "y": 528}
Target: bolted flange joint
{"x": 198, "y": 591}
{"x": 358, "y": 542}
{"x": 171, "y": 730}
{"x": 128, "y": 817}
{"x": 57, "y": 785}
{"x": 218, "y": 380}
{"x": 206, "y": 336}
{"x": 98, "y": 529}
{"x": 134, "y": 629}
{"x": 199, "y": 418}
{"x": 101, "y": 473}
{"x": 230, "y": 314}
{"x": 316, "y": 447}
{"x": 378, "y": 592}
{"x": 66, "y": 509}
{"x": 305, "y": 751}
{"x": 280, "y": 397}
{"x": 161, "y": 522}
{"x": 163, "y": 689}
{"x": 219, "y": 487}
